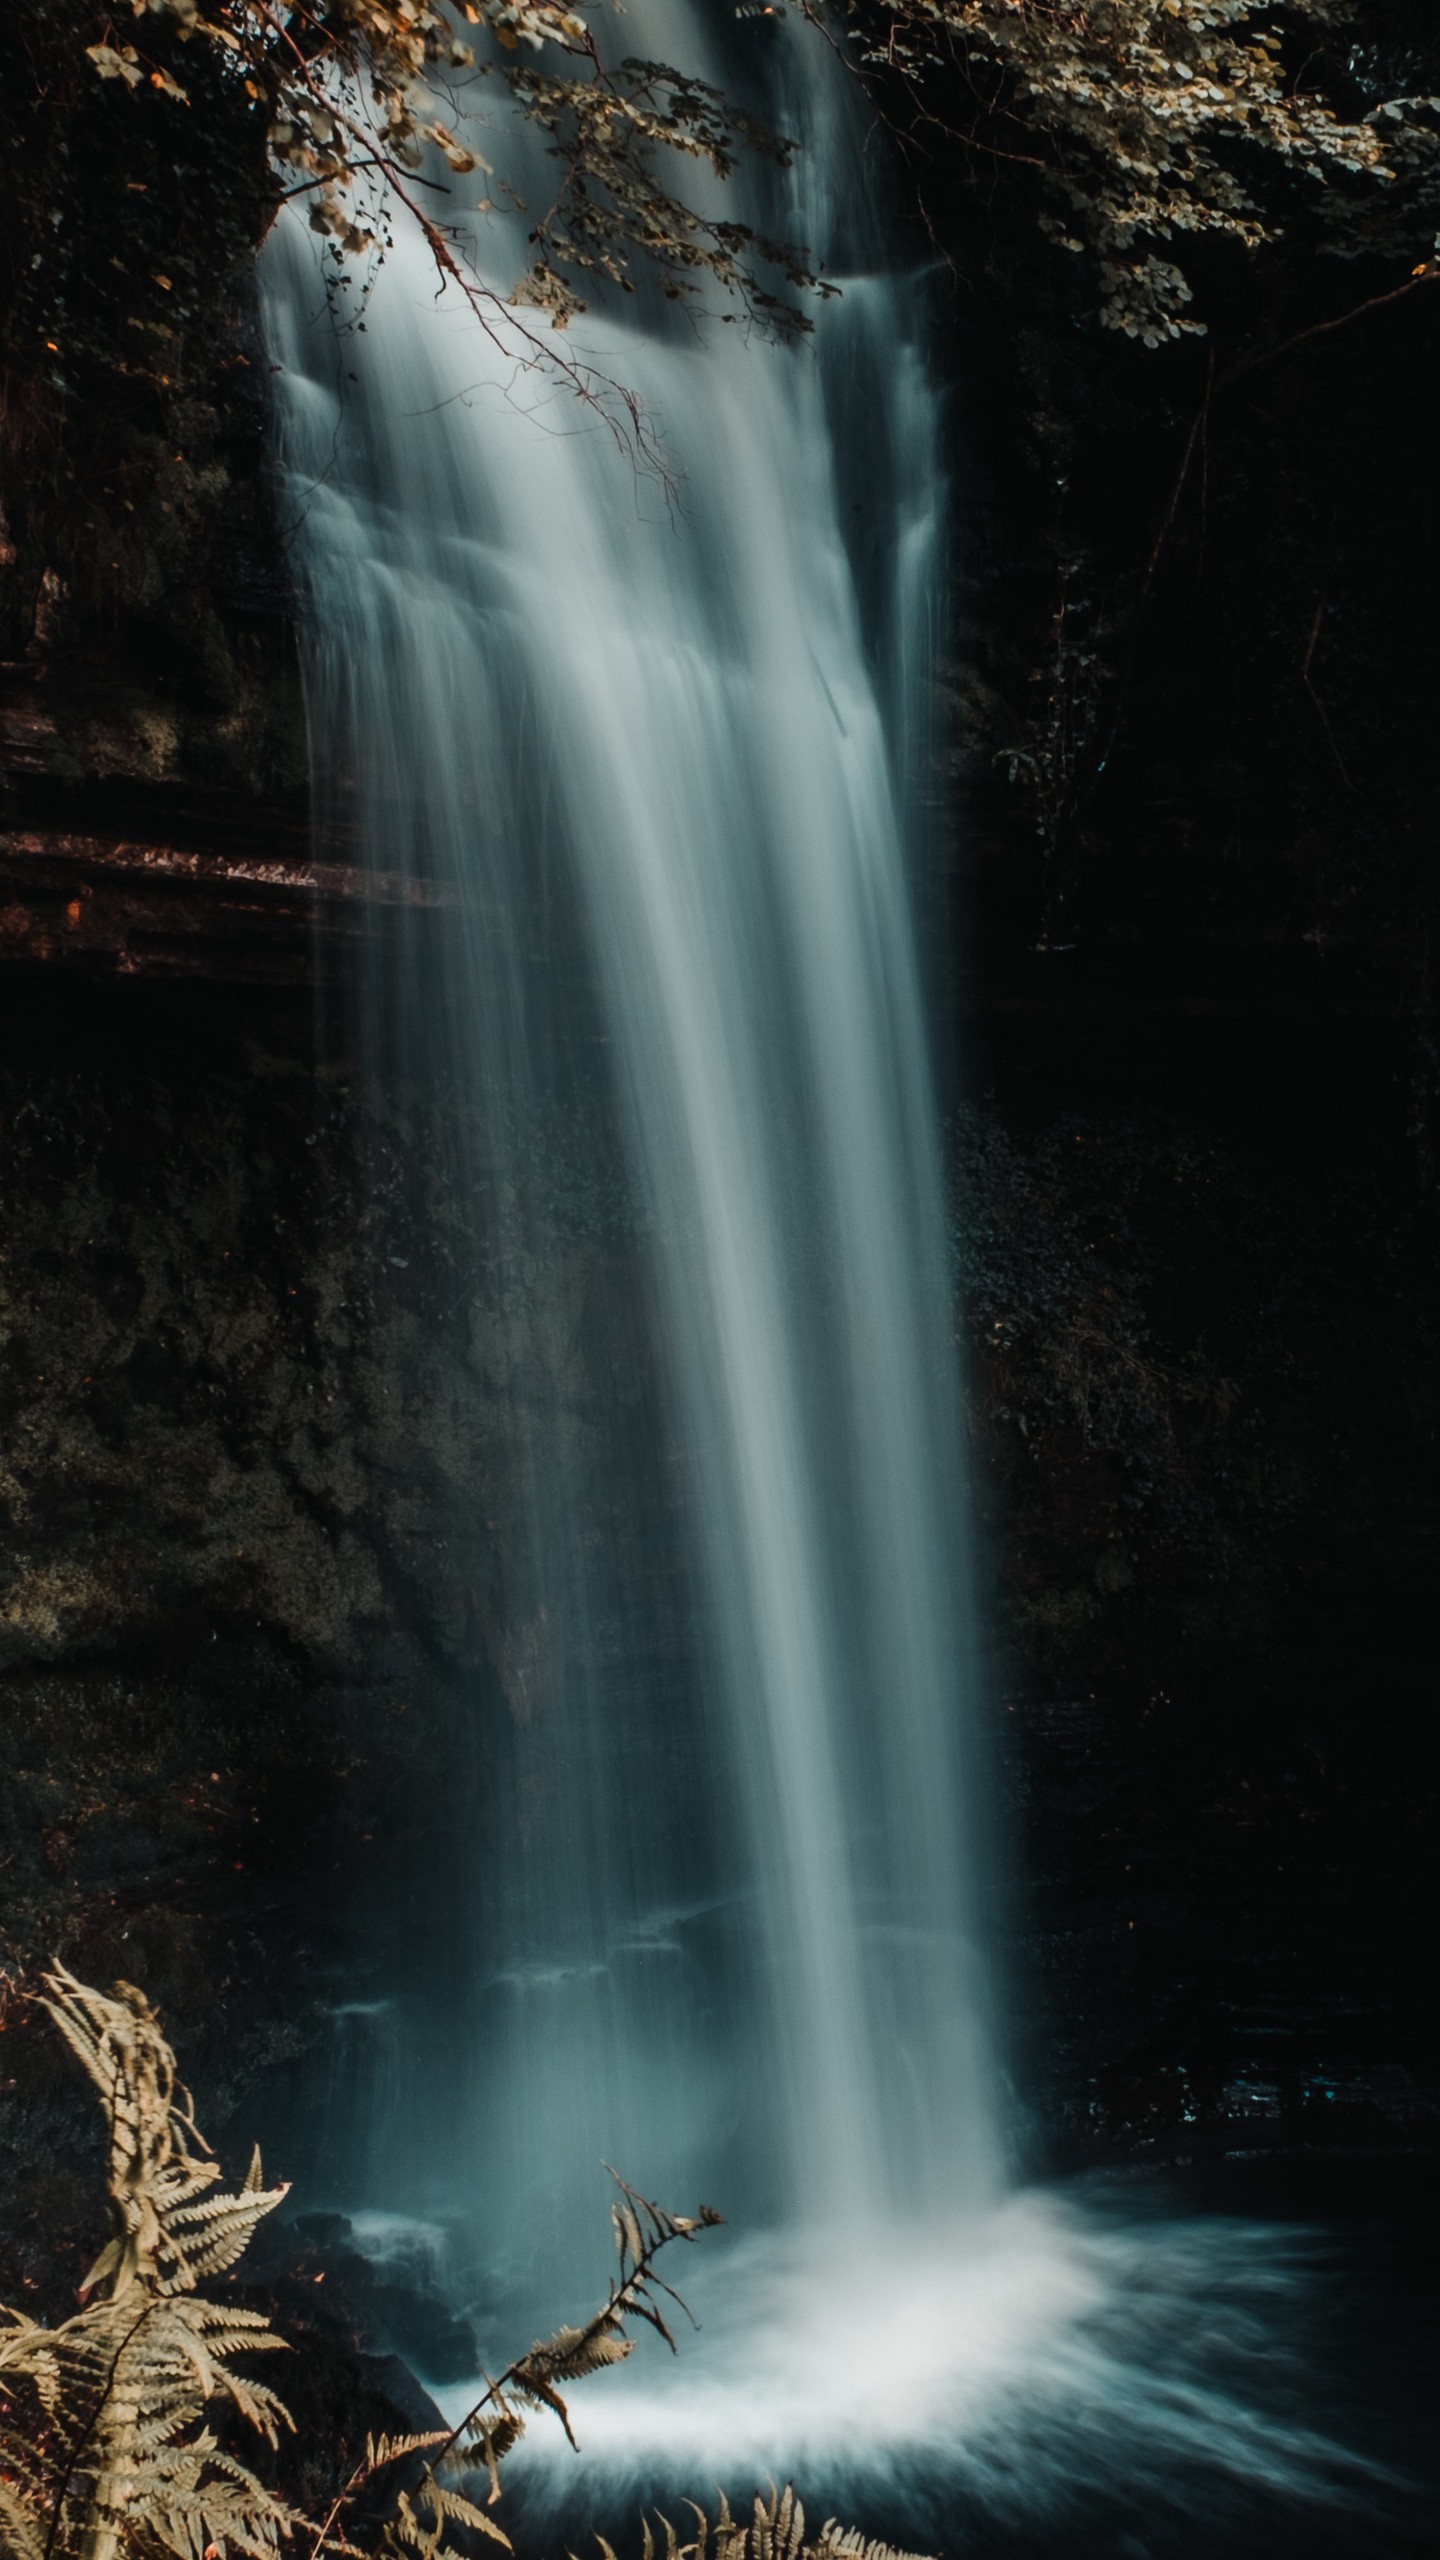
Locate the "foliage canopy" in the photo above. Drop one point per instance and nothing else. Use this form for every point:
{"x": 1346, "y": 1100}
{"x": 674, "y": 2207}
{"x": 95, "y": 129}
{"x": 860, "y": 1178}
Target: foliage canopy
{"x": 1156, "y": 122}
{"x": 1159, "y": 122}
{"x": 148, "y": 143}
{"x": 356, "y": 93}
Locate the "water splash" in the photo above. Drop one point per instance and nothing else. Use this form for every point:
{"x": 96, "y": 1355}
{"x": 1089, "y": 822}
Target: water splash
{"x": 1056, "y": 2354}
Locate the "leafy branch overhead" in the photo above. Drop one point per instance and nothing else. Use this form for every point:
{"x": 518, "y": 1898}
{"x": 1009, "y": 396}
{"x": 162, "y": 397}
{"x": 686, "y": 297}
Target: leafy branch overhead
{"x": 1158, "y": 122}
{"x": 359, "y": 95}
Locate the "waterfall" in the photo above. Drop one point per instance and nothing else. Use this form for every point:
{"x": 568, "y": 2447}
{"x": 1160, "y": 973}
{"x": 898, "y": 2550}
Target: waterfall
{"x": 659, "y": 757}
{"x": 665, "y": 756}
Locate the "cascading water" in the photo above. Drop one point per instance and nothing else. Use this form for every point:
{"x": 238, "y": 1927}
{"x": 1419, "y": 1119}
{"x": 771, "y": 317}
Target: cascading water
{"x": 649, "y": 751}
{"x": 718, "y": 1923}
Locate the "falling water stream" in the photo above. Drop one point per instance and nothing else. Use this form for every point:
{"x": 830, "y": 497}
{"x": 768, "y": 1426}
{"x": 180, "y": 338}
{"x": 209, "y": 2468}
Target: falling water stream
{"x": 663, "y": 755}
{"x": 648, "y": 745}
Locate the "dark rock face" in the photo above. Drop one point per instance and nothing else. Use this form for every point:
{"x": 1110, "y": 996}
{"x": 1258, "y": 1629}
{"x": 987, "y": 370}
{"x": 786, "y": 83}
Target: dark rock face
{"x": 200, "y": 1636}
{"x": 1195, "y": 803}
{"x": 268, "y": 1385}
{"x": 138, "y": 545}
{"x": 1204, "y": 1379}
{"x": 190, "y": 1580}
{"x": 186, "y": 1354}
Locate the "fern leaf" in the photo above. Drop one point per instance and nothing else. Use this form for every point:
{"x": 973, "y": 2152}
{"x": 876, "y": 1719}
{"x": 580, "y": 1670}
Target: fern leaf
{"x": 842, "y": 2542}
{"x": 381, "y": 2451}
{"x": 260, "y": 2407}
{"x": 120, "y": 2459}
{"x": 229, "y": 2326}
{"x": 776, "y": 2531}
{"x": 644, "y": 2308}
{"x": 533, "y": 2383}
{"x": 22, "y": 2533}
{"x": 195, "y": 2498}
{"x": 728, "y": 2534}
{"x": 167, "y": 2231}
{"x": 28, "y": 2349}
{"x": 249, "y": 2206}
{"x": 628, "y": 2240}
{"x": 23, "y": 2530}
{"x": 490, "y": 2437}
{"x": 210, "y": 2235}
{"x": 458, "y": 2510}
{"x": 572, "y": 2353}
{"x": 426, "y": 2537}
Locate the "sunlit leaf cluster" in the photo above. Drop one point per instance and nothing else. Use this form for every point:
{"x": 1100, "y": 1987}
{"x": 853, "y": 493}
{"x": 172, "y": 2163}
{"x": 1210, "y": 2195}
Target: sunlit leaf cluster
{"x": 1159, "y": 121}
{"x": 367, "y": 100}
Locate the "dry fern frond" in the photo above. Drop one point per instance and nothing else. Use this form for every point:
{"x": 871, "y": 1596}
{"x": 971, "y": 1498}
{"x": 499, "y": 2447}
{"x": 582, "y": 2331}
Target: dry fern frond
{"x": 102, "y": 2434}
{"x": 424, "y": 2513}
{"x": 841, "y": 2542}
{"x": 381, "y": 2451}
{"x": 105, "y": 2450}
{"x": 167, "y": 2233}
{"x": 775, "y": 2531}
{"x": 420, "y": 2520}
{"x": 22, "y": 2533}
{"x": 642, "y": 2229}
{"x": 103, "y": 2447}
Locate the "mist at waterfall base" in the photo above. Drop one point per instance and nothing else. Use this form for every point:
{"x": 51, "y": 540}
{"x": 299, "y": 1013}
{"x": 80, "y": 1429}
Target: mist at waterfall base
{"x": 1100, "y": 2370}
{"x": 665, "y": 766}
